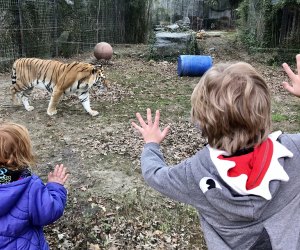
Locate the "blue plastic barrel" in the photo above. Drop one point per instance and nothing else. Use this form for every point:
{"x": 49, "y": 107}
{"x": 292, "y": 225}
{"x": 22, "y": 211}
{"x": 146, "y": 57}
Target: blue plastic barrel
{"x": 193, "y": 65}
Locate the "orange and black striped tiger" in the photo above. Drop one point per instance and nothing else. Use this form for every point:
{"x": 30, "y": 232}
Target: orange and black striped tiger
{"x": 56, "y": 77}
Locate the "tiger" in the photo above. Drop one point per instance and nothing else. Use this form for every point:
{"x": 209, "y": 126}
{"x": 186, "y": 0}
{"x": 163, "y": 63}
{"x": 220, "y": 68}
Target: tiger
{"x": 56, "y": 77}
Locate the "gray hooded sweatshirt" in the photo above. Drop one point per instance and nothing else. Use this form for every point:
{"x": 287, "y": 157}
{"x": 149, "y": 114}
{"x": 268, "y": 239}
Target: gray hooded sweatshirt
{"x": 245, "y": 201}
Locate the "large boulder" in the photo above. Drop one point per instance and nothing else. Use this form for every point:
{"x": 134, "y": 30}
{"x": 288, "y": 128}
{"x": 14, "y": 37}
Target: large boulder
{"x": 172, "y": 44}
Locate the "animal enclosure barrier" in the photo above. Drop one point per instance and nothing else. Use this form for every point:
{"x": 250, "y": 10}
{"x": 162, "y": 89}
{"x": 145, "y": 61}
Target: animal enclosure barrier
{"x": 202, "y": 14}
{"x": 52, "y": 28}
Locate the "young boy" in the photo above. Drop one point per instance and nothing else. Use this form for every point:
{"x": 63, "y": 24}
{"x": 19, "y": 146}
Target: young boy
{"x": 26, "y": 204}
{"x": 245, "y": 182}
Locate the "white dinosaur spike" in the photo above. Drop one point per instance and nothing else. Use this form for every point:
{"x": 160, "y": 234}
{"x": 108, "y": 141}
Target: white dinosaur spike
{"x": 274, "y": 172}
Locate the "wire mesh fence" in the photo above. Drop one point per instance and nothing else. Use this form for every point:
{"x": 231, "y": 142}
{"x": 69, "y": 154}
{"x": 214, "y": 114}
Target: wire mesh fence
{"x": 48, "y": 28}
{"x": 270, "y": 26}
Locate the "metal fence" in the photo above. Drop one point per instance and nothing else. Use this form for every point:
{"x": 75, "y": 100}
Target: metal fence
{"x": 48, "y": 28}
{"x": 274, "y": 25}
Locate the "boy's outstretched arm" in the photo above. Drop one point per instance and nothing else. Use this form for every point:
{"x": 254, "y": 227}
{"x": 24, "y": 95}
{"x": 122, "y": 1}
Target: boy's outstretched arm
{"x": 294, "y": 87}
{"x": 173, "y": 181}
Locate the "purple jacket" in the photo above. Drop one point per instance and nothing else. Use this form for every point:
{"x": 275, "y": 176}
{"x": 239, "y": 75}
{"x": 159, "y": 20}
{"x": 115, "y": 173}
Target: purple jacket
{"x": 25, "y": 207}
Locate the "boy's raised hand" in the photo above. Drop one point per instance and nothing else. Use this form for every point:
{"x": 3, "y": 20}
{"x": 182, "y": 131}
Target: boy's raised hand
{"x": 151, "y": 131}
{"x": 294, "y": 87}
{"x": 59, "y": 175}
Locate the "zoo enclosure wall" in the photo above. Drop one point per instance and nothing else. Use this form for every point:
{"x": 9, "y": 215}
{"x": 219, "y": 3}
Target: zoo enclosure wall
{"x": 62, "y": 28}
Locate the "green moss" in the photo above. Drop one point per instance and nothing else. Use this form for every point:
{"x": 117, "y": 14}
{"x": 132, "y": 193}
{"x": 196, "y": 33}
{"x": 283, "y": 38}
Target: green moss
{"x": 279, "y": 117}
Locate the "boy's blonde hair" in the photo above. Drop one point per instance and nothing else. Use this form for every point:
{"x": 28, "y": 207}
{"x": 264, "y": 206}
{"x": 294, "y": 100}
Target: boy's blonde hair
{"x": 232, "y": 106}
{"x": 15, "y": 147}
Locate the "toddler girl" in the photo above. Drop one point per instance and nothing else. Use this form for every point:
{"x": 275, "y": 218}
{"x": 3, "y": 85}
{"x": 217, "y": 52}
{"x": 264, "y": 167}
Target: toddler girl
{"x": 26, "y": 204}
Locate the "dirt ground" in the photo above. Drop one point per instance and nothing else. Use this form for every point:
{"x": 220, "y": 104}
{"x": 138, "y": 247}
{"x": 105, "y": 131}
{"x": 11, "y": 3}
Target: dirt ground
{"x": 109, "y": 205}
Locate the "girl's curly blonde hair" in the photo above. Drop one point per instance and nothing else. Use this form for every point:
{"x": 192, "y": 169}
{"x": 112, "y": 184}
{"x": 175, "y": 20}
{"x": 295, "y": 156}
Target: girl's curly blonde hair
{"x": 232, "y": 105}
{"x": 15, "y": 146}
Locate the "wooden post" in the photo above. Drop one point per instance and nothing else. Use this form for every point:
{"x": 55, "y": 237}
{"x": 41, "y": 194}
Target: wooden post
{"x": 98, "y": 12}
{"x": 21, "y": 29}
{"x": 55, "y": 27}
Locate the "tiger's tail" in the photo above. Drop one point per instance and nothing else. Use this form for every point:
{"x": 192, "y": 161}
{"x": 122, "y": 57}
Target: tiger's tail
{"x": 13, "y": 74}
{"x": 13, "y": 90}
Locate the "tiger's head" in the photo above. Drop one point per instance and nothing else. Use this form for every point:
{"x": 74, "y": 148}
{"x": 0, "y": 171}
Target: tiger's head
{"x": 100, "y": 79}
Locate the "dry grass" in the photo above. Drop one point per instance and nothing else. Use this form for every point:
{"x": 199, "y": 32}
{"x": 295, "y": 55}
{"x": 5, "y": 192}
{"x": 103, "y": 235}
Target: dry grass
{"x": 109, "y": 205}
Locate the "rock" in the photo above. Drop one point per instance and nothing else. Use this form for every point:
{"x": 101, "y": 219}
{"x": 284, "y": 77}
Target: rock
{"x": 172, "y": 43}
{"x": 173, "y": 27}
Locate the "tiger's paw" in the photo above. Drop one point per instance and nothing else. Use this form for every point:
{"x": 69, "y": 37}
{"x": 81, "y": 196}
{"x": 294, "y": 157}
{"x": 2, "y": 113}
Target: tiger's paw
{"x": 29, "y": 108}
{"x": 93, "y": 112}
{"x": 53, "y": 112}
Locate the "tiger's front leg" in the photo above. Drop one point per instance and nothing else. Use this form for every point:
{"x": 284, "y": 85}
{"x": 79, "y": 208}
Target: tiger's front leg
{"x": 54, "y": 100}
{"x": 85, "y": 100}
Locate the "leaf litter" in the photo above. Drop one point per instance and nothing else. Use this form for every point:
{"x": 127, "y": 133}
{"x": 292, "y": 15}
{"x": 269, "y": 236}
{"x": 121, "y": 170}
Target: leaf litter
{"x": 109, "y": 206}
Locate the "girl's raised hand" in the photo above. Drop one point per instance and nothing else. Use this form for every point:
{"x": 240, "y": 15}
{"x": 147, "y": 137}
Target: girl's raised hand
{"x": 151, "y": 131}
{"x": 59, "y": 175}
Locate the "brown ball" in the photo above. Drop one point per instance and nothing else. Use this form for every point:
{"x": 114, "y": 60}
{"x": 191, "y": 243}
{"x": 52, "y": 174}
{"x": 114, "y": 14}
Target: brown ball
{"x": 103, "y": 50}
